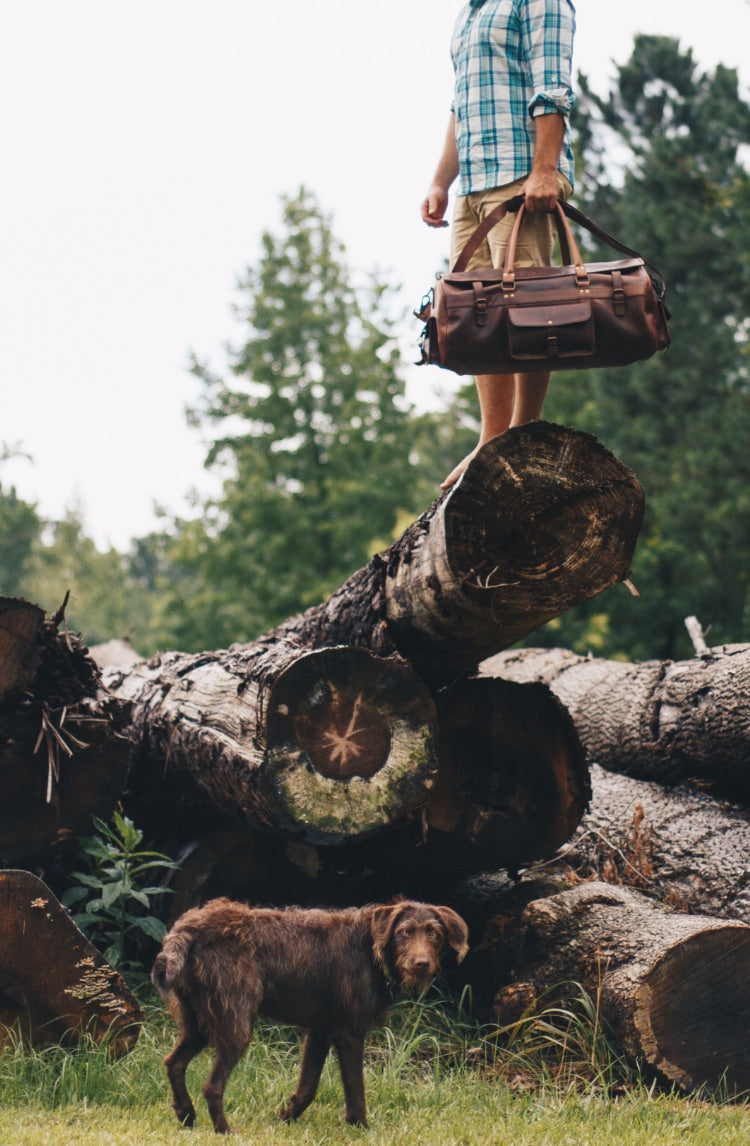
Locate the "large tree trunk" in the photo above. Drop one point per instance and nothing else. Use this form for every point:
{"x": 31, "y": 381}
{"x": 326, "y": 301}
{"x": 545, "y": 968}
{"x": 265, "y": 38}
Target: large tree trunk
{"x": 673, "y": 988}
{"x": 686, "y": 848}
{"x": 657, "y": 720}
{"x": 543, "y": 518}
{"x": 54, "y": 985}
{"x": 325, "y": 745}
{"x": 63, "y": 754}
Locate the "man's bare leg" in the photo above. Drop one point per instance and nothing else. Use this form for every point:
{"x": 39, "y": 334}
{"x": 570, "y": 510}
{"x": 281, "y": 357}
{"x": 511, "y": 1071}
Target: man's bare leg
{"x": 530, "y": 392}
{"x": 504, "y": 400}
{"x": 496, "y": 394}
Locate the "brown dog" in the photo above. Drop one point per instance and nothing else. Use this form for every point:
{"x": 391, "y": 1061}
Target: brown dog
{"x": 334, "y": 973}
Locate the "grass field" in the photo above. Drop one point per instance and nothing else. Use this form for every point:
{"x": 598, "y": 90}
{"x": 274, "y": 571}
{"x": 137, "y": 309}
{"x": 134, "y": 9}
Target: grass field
{"x": 432, "y": 1076}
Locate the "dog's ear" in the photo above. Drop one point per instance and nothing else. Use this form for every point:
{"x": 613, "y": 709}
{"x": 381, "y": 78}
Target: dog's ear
{"x": 382, "y": 922}
{"x": 456, "y": 931}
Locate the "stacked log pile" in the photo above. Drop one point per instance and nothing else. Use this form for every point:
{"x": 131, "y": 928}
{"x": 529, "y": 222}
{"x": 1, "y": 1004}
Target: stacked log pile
{"x": 368, "y": 748}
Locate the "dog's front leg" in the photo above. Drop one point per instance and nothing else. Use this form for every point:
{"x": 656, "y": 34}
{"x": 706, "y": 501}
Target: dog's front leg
{"x": 351, "y": 1053}
{"x": 314, "y": 1053}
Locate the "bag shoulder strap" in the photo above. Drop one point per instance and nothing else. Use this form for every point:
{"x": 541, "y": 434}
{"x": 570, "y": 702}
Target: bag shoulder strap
{"x": 573, "y": 213}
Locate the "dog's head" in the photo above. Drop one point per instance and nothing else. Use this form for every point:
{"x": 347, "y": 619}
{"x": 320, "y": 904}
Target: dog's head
{"x": 409, "y": 938}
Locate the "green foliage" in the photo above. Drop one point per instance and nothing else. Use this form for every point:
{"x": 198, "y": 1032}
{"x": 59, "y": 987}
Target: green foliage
{"x": 663, "y": 170}
{"x": 311, "y": 434}
{"x": 113, "y": 897}
{"x": 20, "y": 527}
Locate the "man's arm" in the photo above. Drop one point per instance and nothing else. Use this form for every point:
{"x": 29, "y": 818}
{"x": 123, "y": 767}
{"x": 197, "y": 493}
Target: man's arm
{"x": 435, "y": 204}
{"x": 541, "y": 188}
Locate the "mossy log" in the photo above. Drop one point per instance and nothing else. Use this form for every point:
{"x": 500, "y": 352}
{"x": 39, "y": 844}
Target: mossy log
{"x": 55, "y": 987}
{"x": 325, "y": 745}
{"x": 63, "y": 751}
{"x": 673, "y": 989}
{"x": 683, "y": 847}
{"x": 511, "y": 787}
{"x": 543, "y": 518}
{"x": 667, "y": 721}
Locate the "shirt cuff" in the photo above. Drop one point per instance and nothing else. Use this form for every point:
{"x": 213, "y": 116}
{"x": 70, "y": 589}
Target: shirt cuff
{"x": 560, "y": 101}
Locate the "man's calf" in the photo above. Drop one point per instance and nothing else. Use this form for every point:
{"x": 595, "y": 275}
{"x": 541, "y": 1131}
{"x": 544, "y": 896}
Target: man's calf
{"x": 334, "y": 973}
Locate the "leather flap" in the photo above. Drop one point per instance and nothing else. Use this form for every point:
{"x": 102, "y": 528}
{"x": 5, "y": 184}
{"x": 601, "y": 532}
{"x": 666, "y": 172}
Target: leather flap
{"x": 563, "y": 314}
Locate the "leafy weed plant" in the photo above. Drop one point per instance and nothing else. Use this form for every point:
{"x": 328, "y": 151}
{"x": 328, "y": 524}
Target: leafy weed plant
{"x": 113, "y": 897}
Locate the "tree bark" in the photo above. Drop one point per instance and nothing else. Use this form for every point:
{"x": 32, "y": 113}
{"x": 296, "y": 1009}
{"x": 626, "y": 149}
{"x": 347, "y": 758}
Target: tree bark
{"x": 543, "y": 518}
{"x": 667, "y": 721}
{"x": 673, "y": 988}
{"x": 683, "y": 847}
{"x": 325, "y": 745}
{"x": 63, "y": 754}
{"x": 54, "y": 985}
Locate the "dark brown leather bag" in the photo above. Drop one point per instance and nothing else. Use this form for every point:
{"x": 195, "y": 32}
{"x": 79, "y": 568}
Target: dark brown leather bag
{"x": 524, "y": 319}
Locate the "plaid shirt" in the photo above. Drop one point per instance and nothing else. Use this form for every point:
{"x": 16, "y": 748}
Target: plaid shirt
{"x": 512, "y": 60}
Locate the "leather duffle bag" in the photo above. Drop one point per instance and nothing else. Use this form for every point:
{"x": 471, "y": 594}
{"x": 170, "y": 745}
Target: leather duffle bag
{"x": 524, "y": 319}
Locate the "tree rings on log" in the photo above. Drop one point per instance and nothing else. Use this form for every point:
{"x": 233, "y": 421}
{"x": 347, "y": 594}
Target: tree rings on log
{"x": 54, "y": 984}
{"x": 543, "y": 518}
{"x": 351, "y": 744}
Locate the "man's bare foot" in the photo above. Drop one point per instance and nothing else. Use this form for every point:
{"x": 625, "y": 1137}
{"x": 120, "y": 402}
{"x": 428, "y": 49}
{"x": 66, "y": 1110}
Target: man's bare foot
{"x": 455, "y": 474}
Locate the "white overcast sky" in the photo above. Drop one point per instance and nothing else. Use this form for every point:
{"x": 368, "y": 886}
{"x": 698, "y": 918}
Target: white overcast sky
{"x": 144, "y": 146}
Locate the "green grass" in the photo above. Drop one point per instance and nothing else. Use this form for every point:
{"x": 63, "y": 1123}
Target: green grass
{"x": 432, "y": 1076}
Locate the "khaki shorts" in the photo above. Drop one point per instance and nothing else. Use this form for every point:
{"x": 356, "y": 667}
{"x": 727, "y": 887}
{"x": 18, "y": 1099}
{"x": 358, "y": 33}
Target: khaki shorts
{"x": 536, "y": 241}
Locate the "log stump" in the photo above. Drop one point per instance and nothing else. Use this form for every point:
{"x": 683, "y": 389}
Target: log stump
{"x": 325, "y": 745}
{"x": 673, "y": 988}
{"x": 55, "y": 987}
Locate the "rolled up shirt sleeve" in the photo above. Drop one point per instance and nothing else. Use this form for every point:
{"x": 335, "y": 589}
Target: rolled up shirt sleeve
{"x": 547, "y": 32}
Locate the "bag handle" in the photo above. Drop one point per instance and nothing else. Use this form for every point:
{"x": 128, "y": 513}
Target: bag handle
{"x": 574, "y": 255}
{"x": 570, "y": 212}
{"x": 484, "y": 228}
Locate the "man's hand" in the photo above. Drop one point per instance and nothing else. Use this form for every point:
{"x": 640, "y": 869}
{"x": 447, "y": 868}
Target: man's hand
{"x": 541, "y": 192}
{"x": 435, "y": 206}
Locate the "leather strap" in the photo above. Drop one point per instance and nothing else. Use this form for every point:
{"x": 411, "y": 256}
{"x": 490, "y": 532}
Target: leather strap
{"x": 514, "y": 204}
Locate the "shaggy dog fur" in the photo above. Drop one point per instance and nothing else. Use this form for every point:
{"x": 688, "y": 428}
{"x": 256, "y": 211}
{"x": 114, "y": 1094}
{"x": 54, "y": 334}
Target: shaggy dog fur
{"x": 334, "y": 973}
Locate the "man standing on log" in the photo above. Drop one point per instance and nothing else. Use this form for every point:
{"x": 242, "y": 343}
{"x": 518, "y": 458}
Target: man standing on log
{"x": 508, "y": 134}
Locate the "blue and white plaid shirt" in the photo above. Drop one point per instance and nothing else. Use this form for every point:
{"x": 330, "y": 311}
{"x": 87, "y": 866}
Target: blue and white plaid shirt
{"x": 512, "y": 60}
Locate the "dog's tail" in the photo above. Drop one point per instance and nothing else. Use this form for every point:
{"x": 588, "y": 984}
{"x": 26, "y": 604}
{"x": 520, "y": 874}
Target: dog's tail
{"x": 169, "y": 964}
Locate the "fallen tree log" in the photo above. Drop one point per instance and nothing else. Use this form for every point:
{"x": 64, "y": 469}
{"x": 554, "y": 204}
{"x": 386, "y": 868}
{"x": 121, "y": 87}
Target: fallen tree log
{"x": 543, "y": 518}
{"x": 54, "y": 985}
{"x": 511, "y": 787}
{"x": 667, "y": 721}
{"x": 325, "y": 745}
{"x": 674, "y": 989}
{"x": 686, "y": 848}
{"x": 63, "y": 752}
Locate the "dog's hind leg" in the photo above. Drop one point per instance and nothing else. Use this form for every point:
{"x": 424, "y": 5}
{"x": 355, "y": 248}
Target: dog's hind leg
{"x": 190, "y": 1043}
{"x": 314, "y": 1054}
{"x": 228, "y": 1054}
{"x": 351, "y": 1054}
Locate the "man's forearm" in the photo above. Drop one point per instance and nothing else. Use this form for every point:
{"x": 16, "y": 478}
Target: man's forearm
{"x": 434, "y": 205}
{"x": 541, "y": 188}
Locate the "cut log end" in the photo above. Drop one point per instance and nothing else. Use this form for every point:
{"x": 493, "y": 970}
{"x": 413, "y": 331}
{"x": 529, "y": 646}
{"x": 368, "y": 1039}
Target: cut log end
{"x": 693, "y": 1011}
{"x": 513, "y": 781}
{"x": 560, "y": 516}
{"x": 350, "y": 744}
